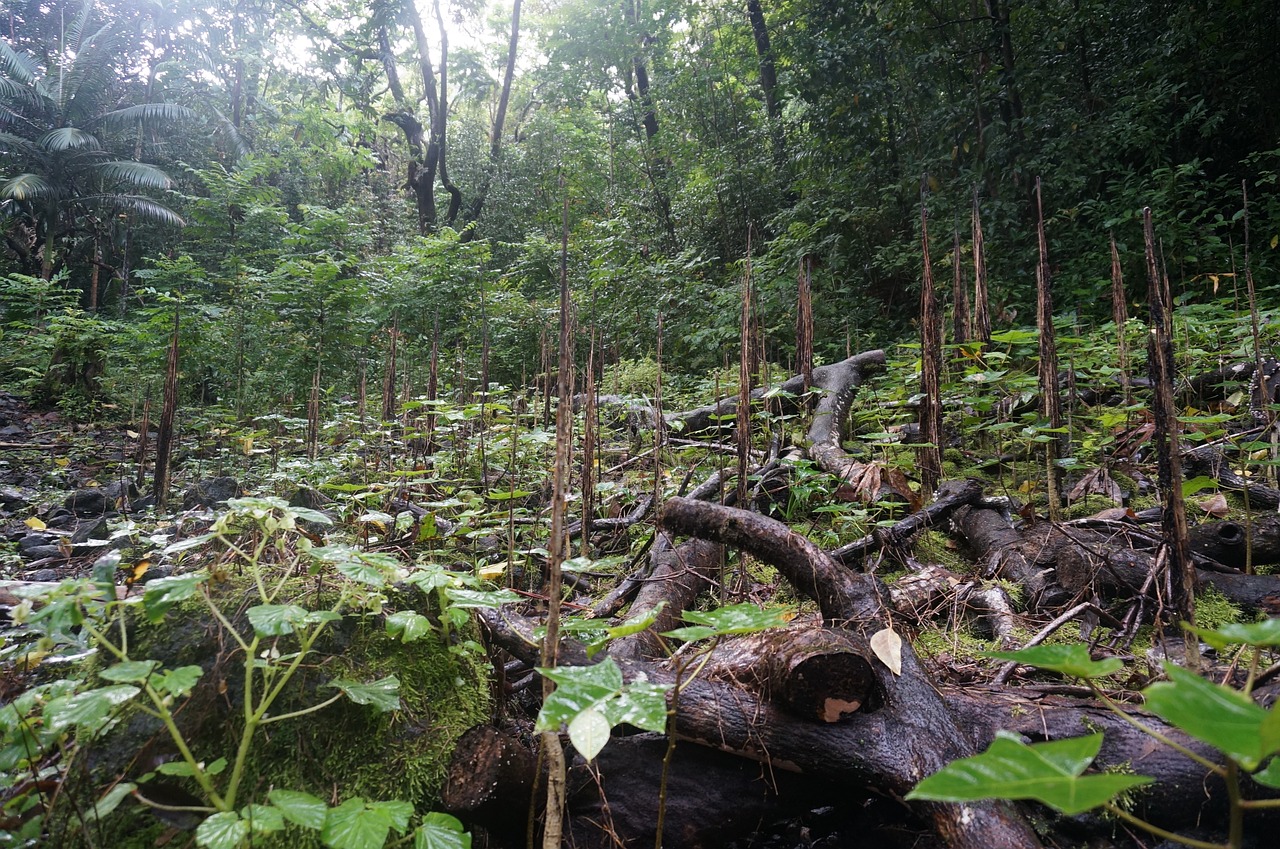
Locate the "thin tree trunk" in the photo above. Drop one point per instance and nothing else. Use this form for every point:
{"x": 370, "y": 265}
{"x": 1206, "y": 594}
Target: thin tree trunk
{"x": 1050, "y": 399}
{"x": 1162, "y": 371}
{"x": 164, "y": 437}
{"x": 930, "y": 370}
{"x": 499, "y": 121}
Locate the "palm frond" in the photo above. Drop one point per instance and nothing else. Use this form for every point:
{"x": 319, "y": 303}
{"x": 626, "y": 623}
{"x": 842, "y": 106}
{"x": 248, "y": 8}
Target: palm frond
{"x": 239, "y": 144}
{"x": 26, "y": 187}
{"x": 76, "y": 29}
{"x": 146, "y": 113}
{"x": 68, "y": 138}
{"x": 144, "y": 207}
{"x": 138, "y": 174}
{"x": 17, "y": 144}
{"x": 18, "y": 67}
{"x": 18, "y": 96}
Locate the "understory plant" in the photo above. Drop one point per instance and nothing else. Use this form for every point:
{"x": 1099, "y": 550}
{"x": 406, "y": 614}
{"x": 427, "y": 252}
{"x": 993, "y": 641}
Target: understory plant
{"x": 1245, "y": 735}
{"x": 274, "y": 638}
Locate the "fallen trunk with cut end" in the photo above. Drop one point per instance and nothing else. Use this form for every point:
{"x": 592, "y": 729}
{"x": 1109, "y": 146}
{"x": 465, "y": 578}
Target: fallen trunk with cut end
{"x": 819, "y": 674}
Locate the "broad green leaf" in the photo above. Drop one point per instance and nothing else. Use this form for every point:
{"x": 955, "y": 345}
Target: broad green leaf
{"x": 275, "y": 620}
{"x": 441, "y": 831}
{"x": 163, "y": 593}
{"x": 372, "y": 568}
{"x": 1046, "y": 772}
{"x": 1072, "y": 660}
{"x": 356, "y": 824}
{"x": 480, "y": 598}
{"x": 130, "y": 671}
{"x": 262, "y": 819}
{"x": 577, "y": 688}
{"x": 691, "y": 634}
{"x": 223, "y": 830}
{"x": 383, "y": 694}
{"x": 1264, "y": 633}
{"x": 589, "y": 732}
{"x": 1224, "y": 718}
{"x": 178, "y": 682}
{"x": 1269, "y": 777}
{"x": 300, "y": 808}
{"x": 310, "y": 515}
{"x": 626, "y": 629}
{"x": 112, "y": 799}
{"x": 408, "y": 626}
{"x": 737, "y": 619}
{"x": 187, "y": 544}
{"x": 642, "y": 704}
{"x": 88, "y": 709}
{"x": 177, "y": 768}
{"x": 1191, "y": 486}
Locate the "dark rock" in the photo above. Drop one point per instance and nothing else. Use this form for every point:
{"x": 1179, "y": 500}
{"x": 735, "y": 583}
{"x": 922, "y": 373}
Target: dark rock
{"x": 140, "y": 504}
{"x": 31, "y": 541}
{"x": 155, "y": 572}
{"x": 43, "y": 552}
{"x": 91, "y": 501}
{"x": 309, "y": 497}
{"x": 11, "y": 431}
{"x": 15, "y": 499}
{"x": 59, "y": 517}
{"x": 213, "y": 492}
{"x": 120, "y": 492}
{"x": 43, "y": 575}
{"x": 90, "y": 529}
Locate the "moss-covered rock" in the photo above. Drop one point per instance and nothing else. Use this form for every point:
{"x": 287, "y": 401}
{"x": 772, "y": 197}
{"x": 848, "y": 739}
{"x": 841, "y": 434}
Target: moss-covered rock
{"x": 341, "y": 751}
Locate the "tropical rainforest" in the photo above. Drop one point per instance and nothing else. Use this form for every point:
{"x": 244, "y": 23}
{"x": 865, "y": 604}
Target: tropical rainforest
{"x": 611, "y": 423}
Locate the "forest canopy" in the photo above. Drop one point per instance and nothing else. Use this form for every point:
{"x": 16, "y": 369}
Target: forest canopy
{"x": 306, "y": 176}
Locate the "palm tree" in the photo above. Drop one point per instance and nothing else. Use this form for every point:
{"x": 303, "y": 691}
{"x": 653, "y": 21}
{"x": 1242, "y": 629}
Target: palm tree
{"x": 58, "y": 177}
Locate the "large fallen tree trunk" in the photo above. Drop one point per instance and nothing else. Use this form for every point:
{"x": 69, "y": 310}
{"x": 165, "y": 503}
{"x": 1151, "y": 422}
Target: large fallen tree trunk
{"x": 912, "y": 736}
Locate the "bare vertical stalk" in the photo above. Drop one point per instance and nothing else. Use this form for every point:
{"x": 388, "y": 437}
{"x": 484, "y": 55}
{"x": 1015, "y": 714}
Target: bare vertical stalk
{"x": 144, "y": 434}
{"x": 589, "y": 450}
{"x": 961, "y": 320}
{"x": 804, "y": 321}
{"x": 553, "y": 825}
{"x": 745, "y": 363}
{"x": 1161, "y": 369}
{"x": 659, "y": 429}
{"x": 164, "y": 436}
{"x": 930, "y": 369}
{"x": 981, "y": 301}
{"x": 433, "y": 383}
{"x": 362, "y": 389}
{"x": 389, "y": 378}
{"x": 313, "y": 412}
{"x": 1050, "y": 397}
{"x": 1120, "y": 315}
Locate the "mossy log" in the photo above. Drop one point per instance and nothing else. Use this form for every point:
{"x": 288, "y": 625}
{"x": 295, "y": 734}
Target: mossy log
{"x": 342, "y": 751}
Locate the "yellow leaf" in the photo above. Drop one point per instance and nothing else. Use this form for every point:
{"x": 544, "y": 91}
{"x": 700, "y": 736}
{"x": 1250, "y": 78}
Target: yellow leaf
{"x": 131, "y": 434}
{"x": 139, "y": 569}
{"x": 62, "y": 462}
{"x": 490, "y": 573}
{"x": 35, "y": 524}
{"x": 1275, "y": 240}
{"x": 888, "y": 647}
{"x": 246, "y": 445}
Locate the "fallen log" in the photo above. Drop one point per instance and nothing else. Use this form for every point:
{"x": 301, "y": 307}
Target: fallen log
{"x": 951, "y": 496}
{"x": 815, "y": 673}
{"x": 839, "y": 383}
{"x": 913, "y": 735}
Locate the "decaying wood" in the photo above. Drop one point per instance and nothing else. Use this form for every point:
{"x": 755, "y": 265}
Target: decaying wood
{"x": 839, "y": 383}
{"x": 912, "y": 736}
{"x": 1210, "y": 460}
{"x": 678, "y": 575}
{"x": 951, "y": 495}
{"x": 820, "y": 674}
{"x": 1002, "y": 552}
{"x": 1233, "y": 544}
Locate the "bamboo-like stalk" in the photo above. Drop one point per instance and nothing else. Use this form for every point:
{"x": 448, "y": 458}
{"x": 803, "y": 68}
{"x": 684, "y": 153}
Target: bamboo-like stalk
{"x": 389, "y": 377}
{"x": 930, "y": 368}
{"x": 961, "y": 320}
{"x": 1161, "y": 368}
{"x": 981, "y": 301}
{"x": 804, "y": 321}
{"x": 164, "y": 436}
{"x": 553, "y": 824}
{"x": 1050, "y": 397}
{"x": 745, "y": 363}
{"x": 1120, "y": 315}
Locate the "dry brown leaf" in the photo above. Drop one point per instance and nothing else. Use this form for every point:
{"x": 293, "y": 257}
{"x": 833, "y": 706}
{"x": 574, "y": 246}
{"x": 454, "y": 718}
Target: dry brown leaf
{"x": 1215, "y": 505}
{"x": 888, "y": 647}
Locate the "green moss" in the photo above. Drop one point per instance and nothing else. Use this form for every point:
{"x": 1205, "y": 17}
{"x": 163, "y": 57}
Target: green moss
{"x": 1088, "y": 506}
{"x": 342, "y": 751}
{"x": 935, "y": 547}
{"x": 1213, "y": 609}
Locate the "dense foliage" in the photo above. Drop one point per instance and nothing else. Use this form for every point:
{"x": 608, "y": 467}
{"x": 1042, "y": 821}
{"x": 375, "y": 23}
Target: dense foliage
{"x": 303, "y": 181}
